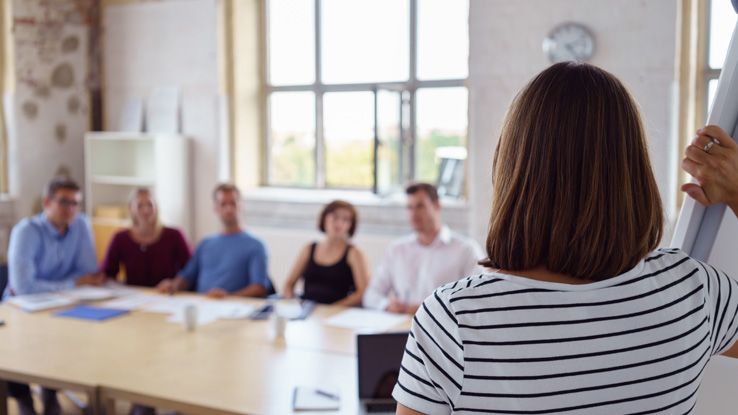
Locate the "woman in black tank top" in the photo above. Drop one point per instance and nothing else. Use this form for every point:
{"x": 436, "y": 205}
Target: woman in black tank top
{"x": 333, "y": 270}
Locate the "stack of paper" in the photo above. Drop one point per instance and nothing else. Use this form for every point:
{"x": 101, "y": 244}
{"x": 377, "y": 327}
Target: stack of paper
{"x": 38, "y": 302}
{"x": 207, "y": 311}
{"x": 89, "y": 293}
{"x": 366, "y": 320}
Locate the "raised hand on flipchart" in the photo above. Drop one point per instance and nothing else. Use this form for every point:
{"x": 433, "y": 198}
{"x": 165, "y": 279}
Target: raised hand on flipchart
{"x": 712, "y": 159}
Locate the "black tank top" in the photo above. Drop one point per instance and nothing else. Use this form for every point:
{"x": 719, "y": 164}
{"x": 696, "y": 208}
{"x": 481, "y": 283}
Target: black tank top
{"x": 327, "y": 283}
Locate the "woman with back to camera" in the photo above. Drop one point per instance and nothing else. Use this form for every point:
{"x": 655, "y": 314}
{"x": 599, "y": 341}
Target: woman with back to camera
{"x": 580, "y": 313}
{"x": 333, "y": 270}
{"x": 148, "y": 251}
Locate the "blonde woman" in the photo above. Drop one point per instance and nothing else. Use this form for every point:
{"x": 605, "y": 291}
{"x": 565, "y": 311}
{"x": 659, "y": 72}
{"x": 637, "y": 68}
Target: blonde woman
{"x": 148, "y": 251}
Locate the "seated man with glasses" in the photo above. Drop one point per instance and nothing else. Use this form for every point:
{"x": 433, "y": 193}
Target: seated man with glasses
{"x": 49, "y": 252}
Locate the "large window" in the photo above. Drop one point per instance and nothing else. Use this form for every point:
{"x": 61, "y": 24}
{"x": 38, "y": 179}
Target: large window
{"x": 722, "y": 20}
{"x": 365, "y": 94}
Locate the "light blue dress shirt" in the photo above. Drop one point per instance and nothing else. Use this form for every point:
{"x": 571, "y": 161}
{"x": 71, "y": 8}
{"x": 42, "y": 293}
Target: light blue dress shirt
{"x": 229, "y": 262}
{"x": 42, "y": 259}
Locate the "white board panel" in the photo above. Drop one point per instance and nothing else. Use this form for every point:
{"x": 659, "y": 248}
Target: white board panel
{"x": 711, "y": 235}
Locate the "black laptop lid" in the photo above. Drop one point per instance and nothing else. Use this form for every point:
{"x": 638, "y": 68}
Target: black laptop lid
{"x": 379, "y": 357}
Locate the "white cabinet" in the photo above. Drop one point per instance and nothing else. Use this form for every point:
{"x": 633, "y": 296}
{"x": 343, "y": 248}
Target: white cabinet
{"x": 116, "y": 163}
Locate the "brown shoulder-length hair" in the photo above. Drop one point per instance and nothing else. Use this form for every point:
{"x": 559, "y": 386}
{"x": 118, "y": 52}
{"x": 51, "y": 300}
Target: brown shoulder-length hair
{"x": 334, "y": 206}
{"x": 573, "y": 186}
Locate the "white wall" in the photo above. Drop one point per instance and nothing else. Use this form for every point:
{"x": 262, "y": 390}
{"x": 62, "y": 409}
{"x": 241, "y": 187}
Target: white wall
{"x": 636, "y": 41}
{"x": 170, "y": 43}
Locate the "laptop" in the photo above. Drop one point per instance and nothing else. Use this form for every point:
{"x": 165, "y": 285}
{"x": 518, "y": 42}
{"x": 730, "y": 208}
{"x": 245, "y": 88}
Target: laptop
{"x": 379, "y": 358}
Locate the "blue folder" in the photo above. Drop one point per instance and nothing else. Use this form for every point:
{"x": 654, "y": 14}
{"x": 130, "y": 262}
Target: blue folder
{"x": 84, "y": 312}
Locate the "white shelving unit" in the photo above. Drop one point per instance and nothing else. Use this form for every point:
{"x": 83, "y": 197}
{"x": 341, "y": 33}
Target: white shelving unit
{"x": 116, "y": 163}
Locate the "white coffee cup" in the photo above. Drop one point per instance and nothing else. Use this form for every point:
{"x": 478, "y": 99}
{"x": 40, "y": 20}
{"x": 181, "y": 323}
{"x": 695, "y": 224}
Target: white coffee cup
{"x": 190, "y": 317}
{"x": 278, "y": 325}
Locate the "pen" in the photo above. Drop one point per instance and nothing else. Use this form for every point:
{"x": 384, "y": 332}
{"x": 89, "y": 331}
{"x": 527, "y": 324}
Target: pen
{"x": 328, "y": 395}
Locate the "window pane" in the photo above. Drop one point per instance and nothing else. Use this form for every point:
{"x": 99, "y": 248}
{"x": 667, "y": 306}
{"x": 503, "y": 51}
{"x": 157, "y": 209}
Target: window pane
{"x": 711, "y": 91}
{"x": 441, "y": 128}
{"x": 443, "y": 54}
{"x": 291, "y": 42}
{"x": 364, "y": 40}
{"x": 292, "y": 138}
{"x": 722, "y": 22}
{"x": 348, "y": 126}
{"x": 390, "y": 152}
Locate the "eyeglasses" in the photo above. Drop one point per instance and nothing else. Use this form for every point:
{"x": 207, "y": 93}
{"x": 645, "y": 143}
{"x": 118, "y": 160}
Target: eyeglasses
{"x": 64, "y": 202}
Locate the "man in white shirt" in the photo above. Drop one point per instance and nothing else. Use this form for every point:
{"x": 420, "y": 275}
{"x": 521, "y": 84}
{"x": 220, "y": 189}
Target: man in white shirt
{"x": 415, "y": 265}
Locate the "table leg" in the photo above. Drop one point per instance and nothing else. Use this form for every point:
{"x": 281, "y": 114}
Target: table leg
{"x": 3, "y": 397}
{"x": 107, "y": 404}
{"x": 94, "y": 405}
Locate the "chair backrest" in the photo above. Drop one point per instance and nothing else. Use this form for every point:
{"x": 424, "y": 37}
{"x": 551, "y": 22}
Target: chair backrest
{"x": 3, "y": 279}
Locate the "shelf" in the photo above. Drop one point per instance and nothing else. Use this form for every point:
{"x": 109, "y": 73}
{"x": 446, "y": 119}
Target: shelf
{"x": 119, "y": 136}
{"x": 122, "y": 180}
{"x": 122, "y": 223}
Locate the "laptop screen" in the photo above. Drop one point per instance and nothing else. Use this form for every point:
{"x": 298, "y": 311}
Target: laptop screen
{"x": 379, "y": 357}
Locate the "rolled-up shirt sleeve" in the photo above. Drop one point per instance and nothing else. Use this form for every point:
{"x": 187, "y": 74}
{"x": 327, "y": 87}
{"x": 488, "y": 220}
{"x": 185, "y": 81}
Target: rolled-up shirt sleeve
{"x": 432, "y": 368}
{"x": 380, "y": 285}
{"x": 721, "y": 303}
{"x": 258, "y": 273}
{"x": 86, "y": 260}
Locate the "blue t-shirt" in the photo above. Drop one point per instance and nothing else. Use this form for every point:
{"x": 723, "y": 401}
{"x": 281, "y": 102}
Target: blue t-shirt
{"x": 229, "y": 262}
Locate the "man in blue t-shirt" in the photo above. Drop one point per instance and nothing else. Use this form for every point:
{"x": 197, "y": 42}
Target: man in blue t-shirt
{"x": 232, "y": 262}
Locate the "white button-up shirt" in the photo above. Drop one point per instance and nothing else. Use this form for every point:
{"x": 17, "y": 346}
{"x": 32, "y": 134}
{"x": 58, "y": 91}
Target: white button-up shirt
{"x": 411, "y": 271}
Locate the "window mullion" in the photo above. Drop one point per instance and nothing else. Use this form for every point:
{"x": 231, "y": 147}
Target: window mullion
{"x": 409, "y": 175}
{"x": 319, "y": 135}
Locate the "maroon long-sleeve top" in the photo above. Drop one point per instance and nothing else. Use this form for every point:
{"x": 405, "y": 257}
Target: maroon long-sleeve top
{"x": 147, "y": 265}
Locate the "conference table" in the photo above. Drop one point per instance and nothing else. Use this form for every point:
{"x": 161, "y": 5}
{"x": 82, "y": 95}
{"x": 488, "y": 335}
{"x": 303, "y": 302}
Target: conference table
{"x": 224, "y": 367}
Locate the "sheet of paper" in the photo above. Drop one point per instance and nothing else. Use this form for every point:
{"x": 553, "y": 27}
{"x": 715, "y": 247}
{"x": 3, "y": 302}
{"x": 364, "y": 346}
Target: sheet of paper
{"x": 204, "y": 316}
{"x": 308, "y": 398}
{"x": 366, "y": 320}
{"x": 289, "y": 309}
{"x": 38, "y": 302}
{"x": 89, "y": 293}
{"x": 207, "y": 311}
{"x": 162, "y": 110}
{"x": 131, "y": 116}
{"x": 168, "y": 305}
{"x": 231, "y": 310}
{"x": 129, "y": 302}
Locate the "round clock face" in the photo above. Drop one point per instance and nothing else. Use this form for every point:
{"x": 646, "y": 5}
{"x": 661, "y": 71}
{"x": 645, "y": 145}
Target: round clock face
{"x": 569, "y": 42}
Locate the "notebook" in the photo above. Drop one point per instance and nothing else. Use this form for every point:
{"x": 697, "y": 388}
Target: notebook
{"x": 307, "y": 398}
{"x": 84, "y": 312}
{"x": 39, "y": 302}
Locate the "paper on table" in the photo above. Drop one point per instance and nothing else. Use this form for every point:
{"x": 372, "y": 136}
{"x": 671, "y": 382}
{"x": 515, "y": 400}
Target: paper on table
{"x": 129, "y": 302}
{"x": 38, "y": 302}
{"x": 289, "y": 309}
{"x": 167, "y": 305}
{"x": 89, "y": 293}
{"x": 366, "y": 320}
{"x": 207, "y": 310}
{"x": 307, "y": 398}
{"x": 204, "y": 316}
{"x": 231, "y": 310}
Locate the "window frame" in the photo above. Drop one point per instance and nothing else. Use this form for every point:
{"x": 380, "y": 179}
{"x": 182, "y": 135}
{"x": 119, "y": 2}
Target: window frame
{"x": 708, "y": 73}
{"x": 319, "y": 89}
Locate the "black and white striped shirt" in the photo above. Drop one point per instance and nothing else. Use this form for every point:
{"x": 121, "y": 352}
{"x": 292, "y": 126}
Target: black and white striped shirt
{"x": 633, "y": 344}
